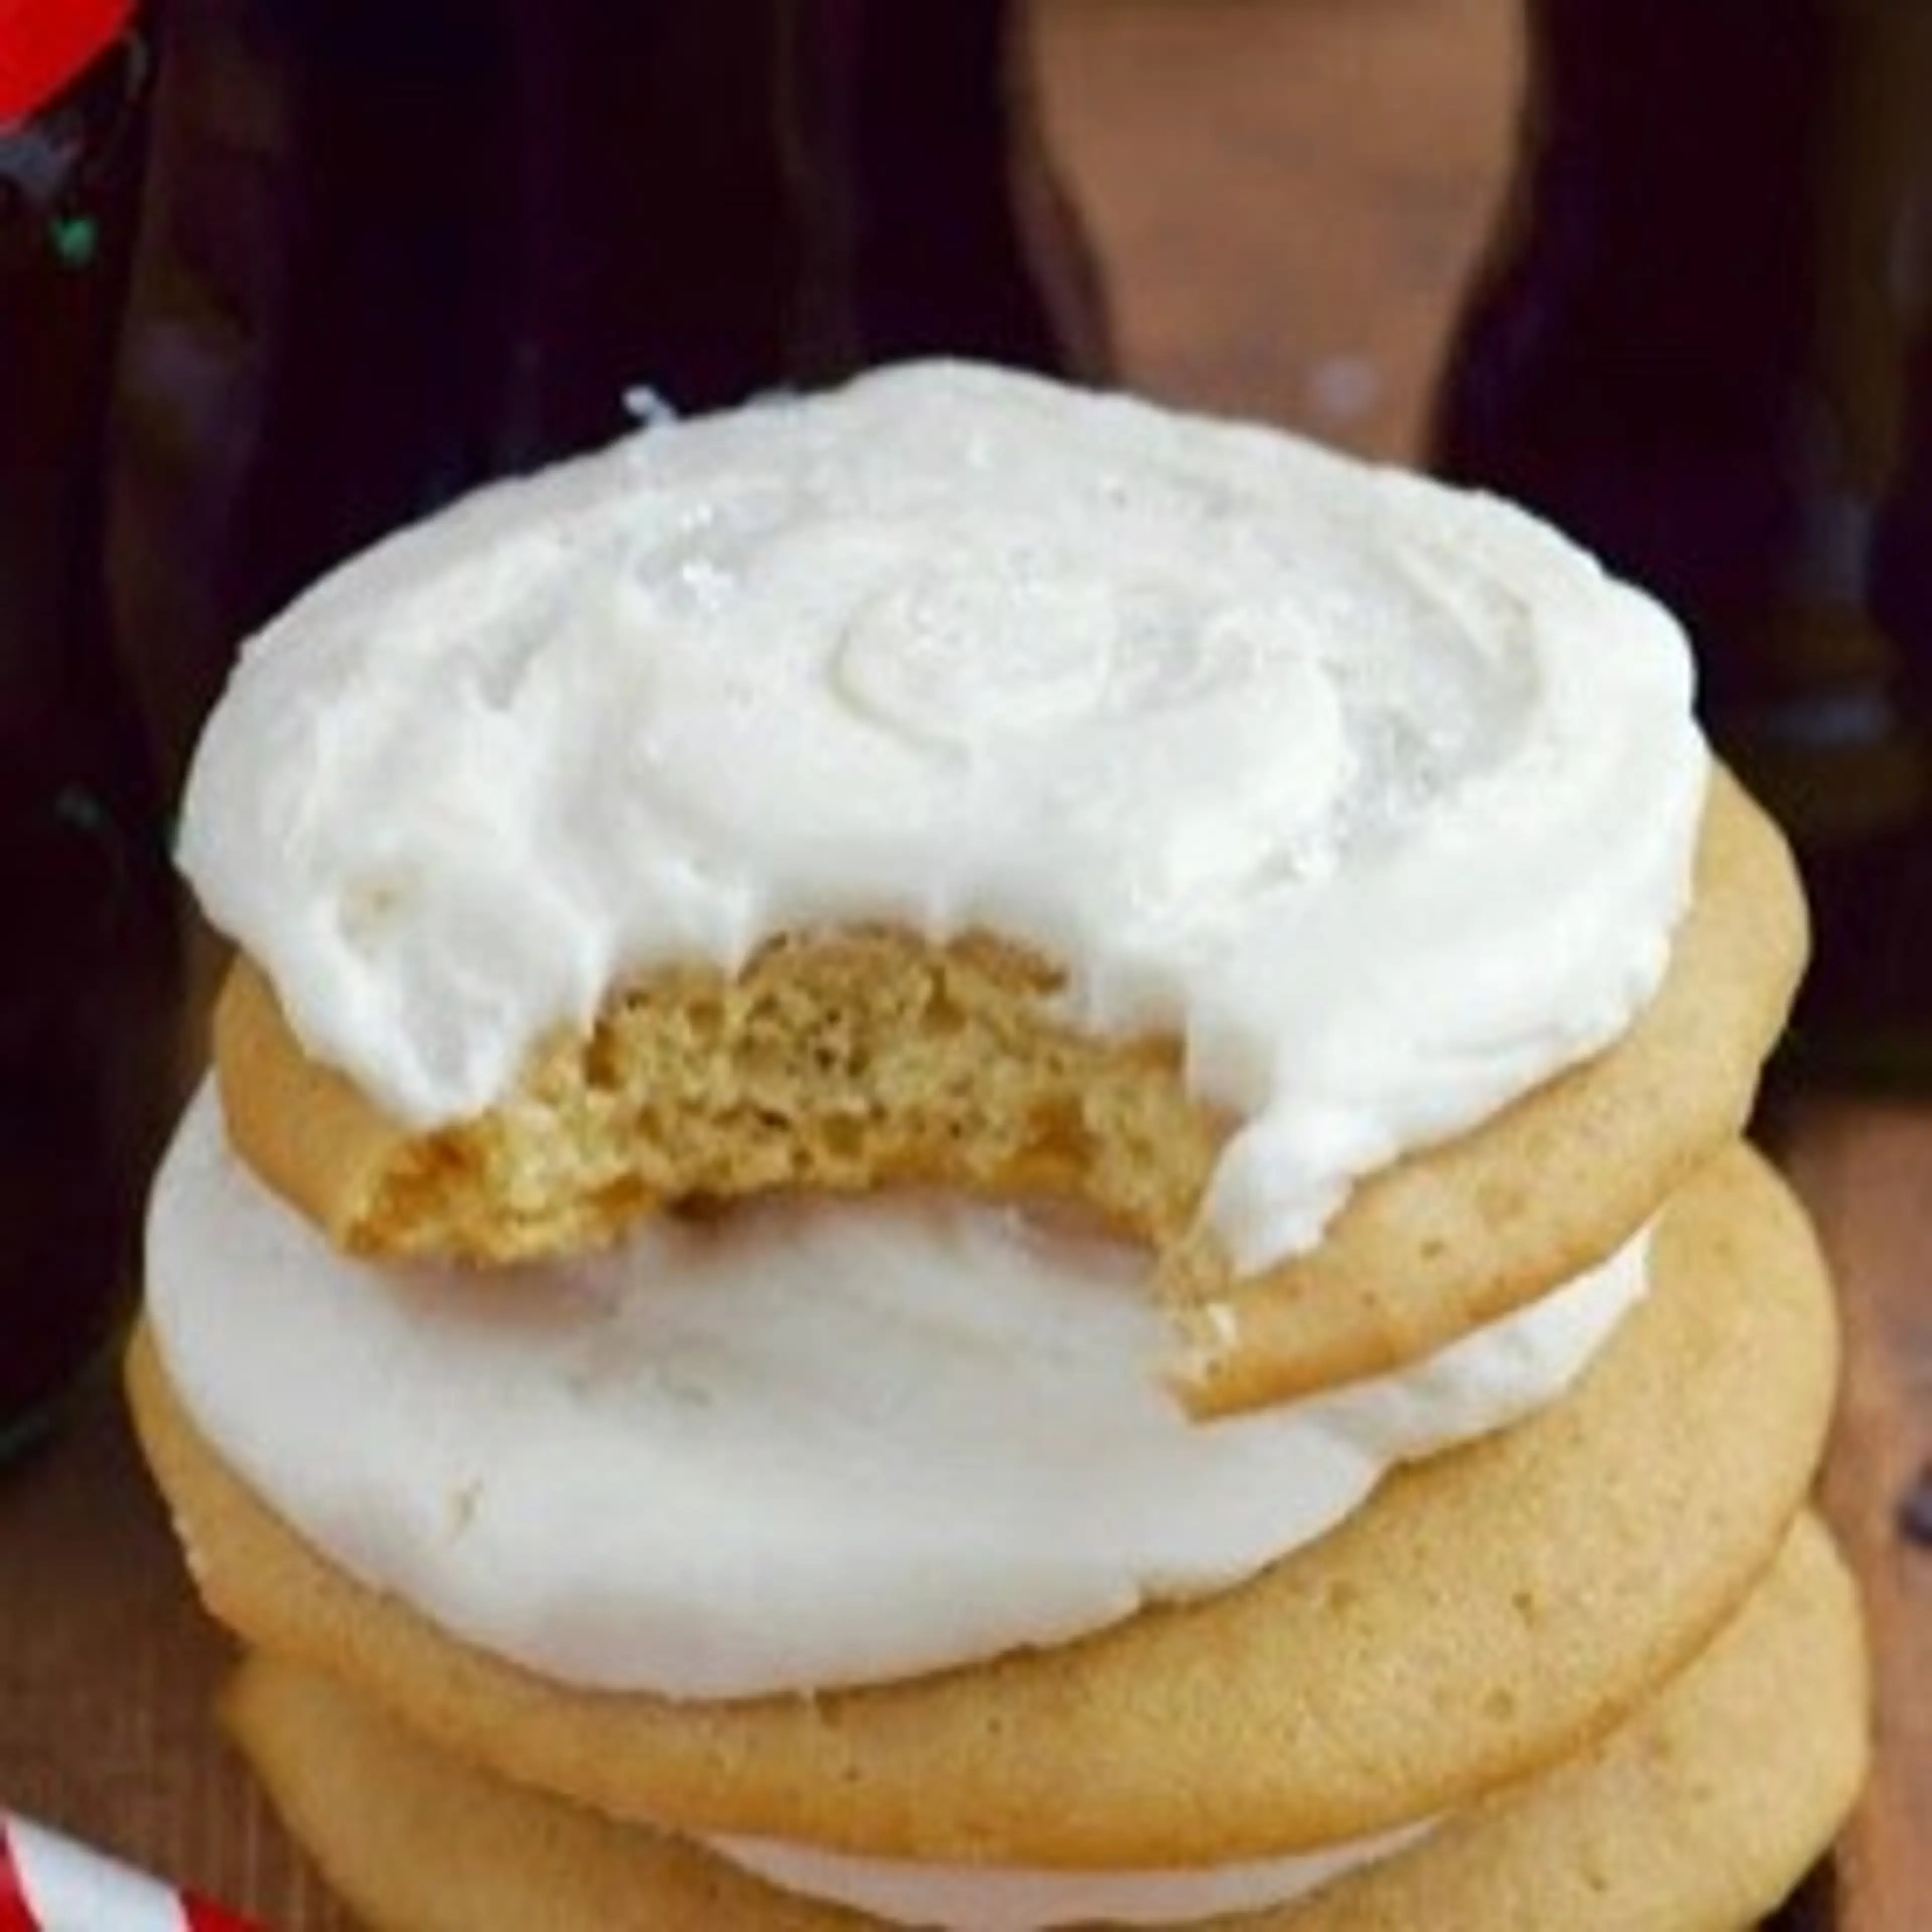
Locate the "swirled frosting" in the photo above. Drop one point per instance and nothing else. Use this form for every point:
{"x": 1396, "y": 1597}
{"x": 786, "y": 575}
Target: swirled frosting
{"x": 813, "y": 1442}
{"x": 1381, "y": 796}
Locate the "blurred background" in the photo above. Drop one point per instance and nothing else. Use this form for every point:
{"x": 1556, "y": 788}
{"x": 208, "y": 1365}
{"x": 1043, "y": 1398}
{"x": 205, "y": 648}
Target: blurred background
{"x": 1288, "y": 197}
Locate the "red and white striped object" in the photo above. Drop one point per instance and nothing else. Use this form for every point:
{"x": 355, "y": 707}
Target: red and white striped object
{"x": 49, "y": 1883}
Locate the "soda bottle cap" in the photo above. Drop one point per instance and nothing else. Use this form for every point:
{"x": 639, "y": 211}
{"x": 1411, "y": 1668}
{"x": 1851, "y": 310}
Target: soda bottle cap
{"x": 45, "y": 44}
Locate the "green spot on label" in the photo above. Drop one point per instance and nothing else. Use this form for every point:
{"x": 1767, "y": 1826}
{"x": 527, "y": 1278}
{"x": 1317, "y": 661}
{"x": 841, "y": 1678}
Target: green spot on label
{"x": 76, "y": 238}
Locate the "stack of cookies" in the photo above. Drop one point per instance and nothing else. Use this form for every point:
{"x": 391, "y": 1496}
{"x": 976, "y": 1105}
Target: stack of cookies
{"x": 974, "y": 1163}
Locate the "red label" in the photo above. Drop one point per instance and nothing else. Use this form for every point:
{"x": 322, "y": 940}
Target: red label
{"x": 45, "y": 44}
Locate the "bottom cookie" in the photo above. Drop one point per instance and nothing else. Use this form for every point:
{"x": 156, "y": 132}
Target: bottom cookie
{"x": 1701, "y": 1813}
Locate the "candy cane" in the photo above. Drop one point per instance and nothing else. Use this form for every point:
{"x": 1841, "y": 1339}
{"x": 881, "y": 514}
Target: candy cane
{"x": 49, "y": 1883}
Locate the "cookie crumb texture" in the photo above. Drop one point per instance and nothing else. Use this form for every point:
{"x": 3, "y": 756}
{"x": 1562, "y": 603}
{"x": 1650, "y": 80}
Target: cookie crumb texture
{"x": 839, "y": 1063}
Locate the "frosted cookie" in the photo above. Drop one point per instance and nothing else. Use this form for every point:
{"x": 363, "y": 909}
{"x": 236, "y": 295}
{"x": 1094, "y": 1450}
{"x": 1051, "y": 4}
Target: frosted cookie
{"x": 946, "y": 1067}
{"x": 1490, "y": 1611}
{"x": 880, "y": 1435}
{"x": 1700, "y": 1813}
{"x": 959, "y": 780}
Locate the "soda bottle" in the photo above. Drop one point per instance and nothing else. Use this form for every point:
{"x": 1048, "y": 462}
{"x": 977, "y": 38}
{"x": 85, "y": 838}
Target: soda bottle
{"x": 1692, "y": 347}
{"x": 86, "y": 975}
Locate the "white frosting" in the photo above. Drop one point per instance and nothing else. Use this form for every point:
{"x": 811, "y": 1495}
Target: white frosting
{"x": 811, "y": 1444}
{"x": 1381, "y": 796}
{"x": 986, "y": 1898}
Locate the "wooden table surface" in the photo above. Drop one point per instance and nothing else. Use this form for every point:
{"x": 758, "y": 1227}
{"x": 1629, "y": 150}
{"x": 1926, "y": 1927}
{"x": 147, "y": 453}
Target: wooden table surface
{"x": 1865, "y": 1169}
{"x": 1275, "y": 239}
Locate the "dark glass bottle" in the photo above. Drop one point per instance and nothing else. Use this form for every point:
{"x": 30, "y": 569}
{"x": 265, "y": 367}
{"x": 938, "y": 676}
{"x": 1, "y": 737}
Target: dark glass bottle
{"x": 392, "y": 250}
{"x": 1692, "y": 347}
{"x": 86, "y": 975}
